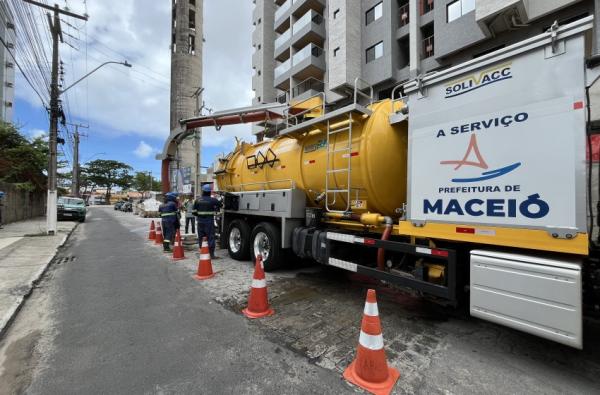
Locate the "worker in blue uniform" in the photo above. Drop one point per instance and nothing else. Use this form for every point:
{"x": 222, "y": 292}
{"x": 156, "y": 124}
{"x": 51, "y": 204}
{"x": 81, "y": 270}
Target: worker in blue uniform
{"x": 168, "y": 214}
{"x": 204, "y": 209}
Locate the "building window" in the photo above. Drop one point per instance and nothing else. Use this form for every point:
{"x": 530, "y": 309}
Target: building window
{"x": 258, "y": 21}
{"x": 374, "y": 13}
{"x": 335, "y": 13}
{"x": 259, "y": 46}
{"x": 193, "y": 2}
{"x": 259, "y": 73}
{"x": 191, "y": 45}
{"x": 335, "y": 51}
{"x": 375, "y": 52}
{"x": 192, "y": 19}
{"x": 458, "y": 8}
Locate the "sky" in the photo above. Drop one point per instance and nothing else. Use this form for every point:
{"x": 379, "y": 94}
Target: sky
{"x": 127, "y": 109}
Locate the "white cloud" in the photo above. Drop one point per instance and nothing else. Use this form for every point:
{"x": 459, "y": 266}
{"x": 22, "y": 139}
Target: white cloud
{"x": 35, "y": 133}
{"x": 143, "y": 150}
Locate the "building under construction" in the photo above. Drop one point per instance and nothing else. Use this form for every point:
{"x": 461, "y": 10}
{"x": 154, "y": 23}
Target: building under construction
{"x": 181, "y": 152}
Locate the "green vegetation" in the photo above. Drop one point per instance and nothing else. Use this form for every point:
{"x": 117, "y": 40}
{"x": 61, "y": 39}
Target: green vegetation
{"x": 108, "y": 174}
{"x": 22, "y": 162}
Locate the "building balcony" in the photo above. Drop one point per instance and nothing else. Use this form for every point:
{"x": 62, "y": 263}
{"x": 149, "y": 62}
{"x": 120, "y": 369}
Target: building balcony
{"x": 425, "y": 6}
{"x": 427, "y": 47}
{"x": 282, "y": 75}
{"x": 308, "y": 62}
{"x": 403, "y": 15}
{"x": 282, "y": 46}
{"x": 307, "y": 88}
{"x": 310, "y": 28}
{"x": 301, "y": 7}
{"x": 282, "y": 17}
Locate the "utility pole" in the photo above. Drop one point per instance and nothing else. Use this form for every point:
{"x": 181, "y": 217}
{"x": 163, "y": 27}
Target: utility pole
{"x": 56, "y": 31}
{"x": 75, "y": 181}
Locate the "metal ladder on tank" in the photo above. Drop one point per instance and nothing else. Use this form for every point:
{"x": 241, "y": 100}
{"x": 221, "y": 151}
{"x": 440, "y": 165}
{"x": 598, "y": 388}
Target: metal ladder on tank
{"x": 330, "y": 171}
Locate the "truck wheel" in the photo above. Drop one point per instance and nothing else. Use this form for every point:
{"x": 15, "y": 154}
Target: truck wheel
{"x": 238, "y": 240}
{"x": 266, "y": 241}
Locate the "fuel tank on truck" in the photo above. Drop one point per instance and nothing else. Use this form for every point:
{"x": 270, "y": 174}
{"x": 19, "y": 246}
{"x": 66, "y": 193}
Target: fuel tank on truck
{"x": 377, "y": 156}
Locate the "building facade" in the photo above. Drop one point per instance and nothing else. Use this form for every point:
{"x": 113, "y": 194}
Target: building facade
{"x": 7, "y": 65}
{"x": 186, "y": 89}
{"x": 323, "y": 46}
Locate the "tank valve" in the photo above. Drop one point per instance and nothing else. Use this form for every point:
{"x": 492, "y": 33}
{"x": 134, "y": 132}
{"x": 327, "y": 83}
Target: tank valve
{"x": 320, "y": 197}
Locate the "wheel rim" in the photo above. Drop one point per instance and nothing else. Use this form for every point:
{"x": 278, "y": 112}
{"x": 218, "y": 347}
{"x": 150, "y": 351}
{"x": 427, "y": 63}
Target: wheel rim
{"x": 235, "y": 240}
{"x": 262, "y": 245}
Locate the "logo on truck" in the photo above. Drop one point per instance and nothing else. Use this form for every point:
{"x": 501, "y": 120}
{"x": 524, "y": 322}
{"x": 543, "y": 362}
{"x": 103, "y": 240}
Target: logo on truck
{"x": 479, "y": 80}
{"x": 479, "y": 162}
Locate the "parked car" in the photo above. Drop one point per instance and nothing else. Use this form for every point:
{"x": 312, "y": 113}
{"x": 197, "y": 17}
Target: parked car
{"x": 71, "y": 208}
{"x": 119, "y": 204}
{"x": 127, "y": 207}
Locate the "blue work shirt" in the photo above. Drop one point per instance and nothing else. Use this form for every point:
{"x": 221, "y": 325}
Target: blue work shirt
{"x": 168, "y": 211}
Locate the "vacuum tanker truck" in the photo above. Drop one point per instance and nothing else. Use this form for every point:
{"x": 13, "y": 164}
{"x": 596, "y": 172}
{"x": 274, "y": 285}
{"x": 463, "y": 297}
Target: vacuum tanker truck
{"x": 469, "y": 184}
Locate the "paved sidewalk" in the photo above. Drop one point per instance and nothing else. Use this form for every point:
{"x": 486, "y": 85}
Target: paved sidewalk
{"x": 25, "y": 252}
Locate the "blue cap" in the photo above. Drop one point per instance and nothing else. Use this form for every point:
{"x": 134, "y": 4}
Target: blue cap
{"x": 206, "y": 188}
{"x": 171, "y": 195}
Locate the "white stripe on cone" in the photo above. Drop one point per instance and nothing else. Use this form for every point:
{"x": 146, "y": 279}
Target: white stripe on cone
{"x": 371, "y": 309}
{"x": 204, "y": 244}
{"x": 259, "y": 283}
{"x": 204, "y": 257}
{"x": 372, "y": 342}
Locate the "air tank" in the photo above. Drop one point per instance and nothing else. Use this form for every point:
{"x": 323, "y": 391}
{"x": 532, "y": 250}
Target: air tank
{"x": 377, "y": 154}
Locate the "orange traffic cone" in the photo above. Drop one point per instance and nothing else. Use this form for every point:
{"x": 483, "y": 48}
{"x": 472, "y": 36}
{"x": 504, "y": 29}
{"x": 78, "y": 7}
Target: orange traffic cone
{"x": 178, "y": 248}
{"x": 152, "y": 234}
{"x": 258, "y": 301}
{"x": 204, "y": 265}
{"x": 370, "y": 369}
{"x": 159, "y": 237}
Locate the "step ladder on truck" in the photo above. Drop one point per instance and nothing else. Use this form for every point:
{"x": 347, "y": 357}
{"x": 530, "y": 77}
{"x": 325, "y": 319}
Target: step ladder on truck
{"x": 472, "y": 188}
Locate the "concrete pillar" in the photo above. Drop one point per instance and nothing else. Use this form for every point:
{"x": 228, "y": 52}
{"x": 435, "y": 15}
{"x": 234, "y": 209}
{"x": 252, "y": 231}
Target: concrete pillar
{"x": 414, "y": 38}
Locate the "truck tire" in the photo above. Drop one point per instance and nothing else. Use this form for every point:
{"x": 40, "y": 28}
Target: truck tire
{"x": 266, "y": 240}
{"x": 238, "y": 240}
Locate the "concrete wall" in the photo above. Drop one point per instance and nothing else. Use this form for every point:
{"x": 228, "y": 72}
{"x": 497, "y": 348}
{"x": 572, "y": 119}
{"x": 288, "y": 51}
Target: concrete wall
{"x": 343, "y": 33}
{"x": 263, "y": 41}
{"x": 382, "y": 69}
{"x": 18, "y": 205}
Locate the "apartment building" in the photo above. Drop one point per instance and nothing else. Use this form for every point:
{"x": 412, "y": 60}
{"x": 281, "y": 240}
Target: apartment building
{"x": 7, "y": 65}
{"x": 307, "y": 47}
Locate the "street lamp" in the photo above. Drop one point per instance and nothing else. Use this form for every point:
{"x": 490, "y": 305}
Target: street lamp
{"x": 125, "y": 63}
{"x": 55, "y": 93}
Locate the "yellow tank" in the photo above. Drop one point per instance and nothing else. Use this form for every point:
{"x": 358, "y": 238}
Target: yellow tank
{"x": 378, "y": 158}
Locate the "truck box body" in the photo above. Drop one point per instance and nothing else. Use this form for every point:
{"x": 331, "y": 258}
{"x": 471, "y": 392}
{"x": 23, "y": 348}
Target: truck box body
{"x": 500, "y": 141}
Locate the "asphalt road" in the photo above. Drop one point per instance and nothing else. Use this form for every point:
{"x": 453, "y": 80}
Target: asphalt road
{"x": 116, "y": 316}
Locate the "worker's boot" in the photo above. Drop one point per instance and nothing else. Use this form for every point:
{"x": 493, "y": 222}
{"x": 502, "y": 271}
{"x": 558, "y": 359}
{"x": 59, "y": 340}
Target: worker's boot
{"x": 166, "y": 246}
{"x": 212, "y": 255}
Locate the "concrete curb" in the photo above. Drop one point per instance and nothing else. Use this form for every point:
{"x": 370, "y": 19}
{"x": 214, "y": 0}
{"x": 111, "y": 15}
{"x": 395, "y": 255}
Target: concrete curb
{"x": 8, "y": 319}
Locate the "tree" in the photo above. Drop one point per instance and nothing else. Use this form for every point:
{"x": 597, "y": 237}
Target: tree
{"x": 143, "y": 182}
{"x": 108, "y": 174}
{"x": 22, "y": 162}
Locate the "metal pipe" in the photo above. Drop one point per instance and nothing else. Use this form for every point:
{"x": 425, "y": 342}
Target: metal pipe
{"x": 250, "y": 117}
{"x": 389, "y": 222}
